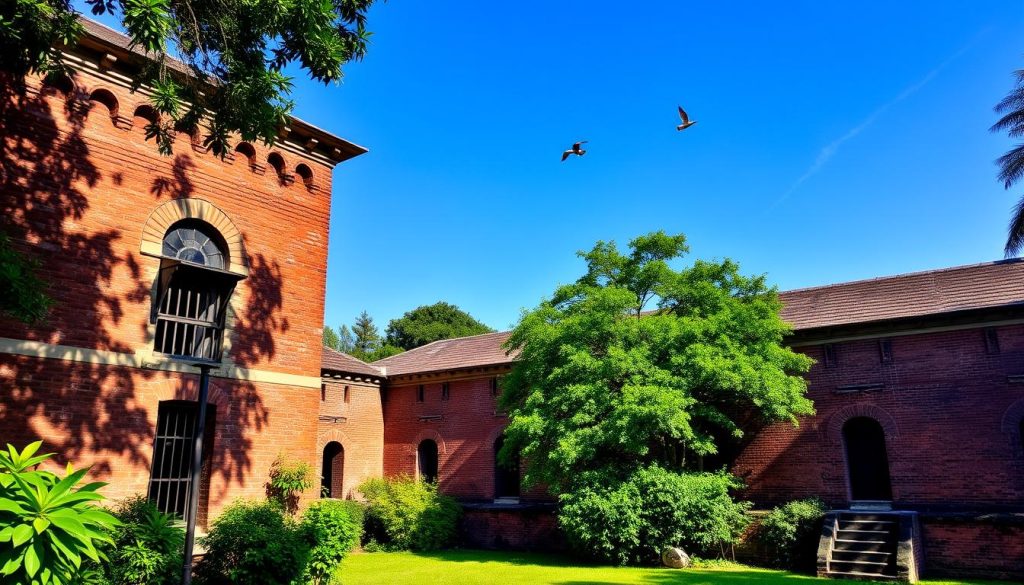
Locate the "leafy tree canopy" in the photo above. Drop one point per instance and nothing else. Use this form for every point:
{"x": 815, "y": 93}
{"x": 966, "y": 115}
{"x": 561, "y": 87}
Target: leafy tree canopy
{"x": 429, "y": 323}
{"x": 236, "y": 51}
{"x": 603, "y": 388}
{"x": 1011, "y": 164}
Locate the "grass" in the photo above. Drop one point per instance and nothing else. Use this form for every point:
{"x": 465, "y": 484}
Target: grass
{"x": 471, "y": 567}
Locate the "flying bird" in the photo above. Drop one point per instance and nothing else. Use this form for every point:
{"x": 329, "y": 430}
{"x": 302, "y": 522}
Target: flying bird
{"x": 574, "y": 150}
{"x": 685, "y": 119}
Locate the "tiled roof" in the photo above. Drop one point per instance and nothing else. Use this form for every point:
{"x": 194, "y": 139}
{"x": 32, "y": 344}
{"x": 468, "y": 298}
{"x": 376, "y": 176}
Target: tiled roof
{"x": 337, "y": 361}
{"x": 917, "y": 294}
{"x": 447, "y": 354}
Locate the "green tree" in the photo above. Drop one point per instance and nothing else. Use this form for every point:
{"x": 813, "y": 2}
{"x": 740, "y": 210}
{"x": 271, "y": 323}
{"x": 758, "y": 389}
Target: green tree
{"x": 1011, "y": 164}
{"x": 429, "y": 323}
{"x": 603, "y": 388}
{"x": 331, "y": 338}
{"x": 346, "y": 341}
{"x": 235, "y": 50}
{"x": 366, "y": 337}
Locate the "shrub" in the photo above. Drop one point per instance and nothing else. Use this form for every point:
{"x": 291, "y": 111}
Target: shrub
{"x": 334, "y": 531}
{"x": 633, "y": 520}
{"x": 405, "y": 513}
{"x": 288, "y": 479}
{"x": 51, "y": 526}
{"x": 791, "y": 532}
{"x": 253, "y": 543}
{"x": 148, "y": 546}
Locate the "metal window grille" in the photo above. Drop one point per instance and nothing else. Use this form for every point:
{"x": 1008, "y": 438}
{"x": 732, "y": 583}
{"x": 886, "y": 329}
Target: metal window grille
{"x": 188, "y": 322}
{"x": 172, "y": 457}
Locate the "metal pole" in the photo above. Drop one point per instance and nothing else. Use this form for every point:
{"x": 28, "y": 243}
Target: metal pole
{"x": 197, "y": 470}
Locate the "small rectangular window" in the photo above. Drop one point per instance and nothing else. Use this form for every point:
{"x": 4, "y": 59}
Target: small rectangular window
{"x": 829, "y": 350}
{"x": 346, "y": 394}
{"x": 494, "y": 386}
{"x": 885, "y": 351}
{"x": 445, "y": 391}
{"x": 991, "y": 340}
{"x": 419, "y": 393}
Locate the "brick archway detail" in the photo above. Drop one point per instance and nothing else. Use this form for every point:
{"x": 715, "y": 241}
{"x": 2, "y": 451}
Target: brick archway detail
{"x": 1011, "y": 425}
{"x": 171, "y": 212}
{"x": 432, "y": 435}
{"x": 834, "y": 429}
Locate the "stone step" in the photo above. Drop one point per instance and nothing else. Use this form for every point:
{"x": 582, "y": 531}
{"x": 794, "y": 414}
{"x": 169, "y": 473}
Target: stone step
{"x": 866, "y": 516}
{"x": 861, "y": 566}
{"x": 848, "y": 534}
{"x": 862, "y": 545}
{"x": 859, "y": 575}
{"x": 866, "y": 524}
{"x": 885, "y": 557}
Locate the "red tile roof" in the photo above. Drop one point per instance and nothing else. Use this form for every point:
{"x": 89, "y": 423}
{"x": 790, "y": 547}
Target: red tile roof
{"x": 918, "y": 294}
{"x": 337, "y": 361}
{"x": 448, "y": 354}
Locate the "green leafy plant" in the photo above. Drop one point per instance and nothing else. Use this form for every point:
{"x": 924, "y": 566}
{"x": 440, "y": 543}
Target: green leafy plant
{"x": 406, "y": 513}
{"x": 49, "y": 525}
{"x": 791, "y": 532}
{"x": 148, "y": 545}
{"x": 288, "y": 479}
{"x": 334, "y": 531}
{"x": 253, "y": 543}
{"x": 631, "y": 521}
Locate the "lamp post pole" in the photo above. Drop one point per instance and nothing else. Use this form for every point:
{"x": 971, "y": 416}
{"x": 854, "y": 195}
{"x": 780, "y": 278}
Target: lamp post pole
{"x": 197, "y": 470}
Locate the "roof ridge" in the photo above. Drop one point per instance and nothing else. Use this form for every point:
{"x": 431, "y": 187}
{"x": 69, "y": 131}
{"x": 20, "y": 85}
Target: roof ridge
{"x": 904, "y": 275}
{"x": 416, "y": 349}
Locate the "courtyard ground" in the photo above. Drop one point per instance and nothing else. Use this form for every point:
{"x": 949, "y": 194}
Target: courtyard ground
{"x": 472, "y": 567}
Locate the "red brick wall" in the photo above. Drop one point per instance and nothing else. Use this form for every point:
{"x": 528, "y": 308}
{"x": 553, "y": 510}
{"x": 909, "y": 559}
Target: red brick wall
{"x": 77, "y": 191}
{"x": 951, "y": 417}
{"x": 469, "y": 425}
{"x": 361, "y": 435}
{"x": 515, "y": 529}
{"x": 977, "y": 548}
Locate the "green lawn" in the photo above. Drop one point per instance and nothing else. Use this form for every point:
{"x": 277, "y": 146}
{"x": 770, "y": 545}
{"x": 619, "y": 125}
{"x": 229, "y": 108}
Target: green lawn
{"x": 503, "y": 568}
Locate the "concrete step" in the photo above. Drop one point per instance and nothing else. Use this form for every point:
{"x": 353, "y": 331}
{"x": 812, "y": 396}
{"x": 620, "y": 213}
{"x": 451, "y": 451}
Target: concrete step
{"x": 867, "y": 525}
{"x": 859, "y": 575}
{"x": 863, "y": 555}
{"x": 885, "y": 535}
{"x": 861, "y": 545}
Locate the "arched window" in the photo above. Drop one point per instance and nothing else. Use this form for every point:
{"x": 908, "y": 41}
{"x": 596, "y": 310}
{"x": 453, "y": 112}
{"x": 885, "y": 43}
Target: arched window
{"x": 332, "y": 480}
{"x": 867, "y": 461}
{"x": 426, "y": 460}
{"x": 193, "y": 292}
{"x": 506, "y": 477}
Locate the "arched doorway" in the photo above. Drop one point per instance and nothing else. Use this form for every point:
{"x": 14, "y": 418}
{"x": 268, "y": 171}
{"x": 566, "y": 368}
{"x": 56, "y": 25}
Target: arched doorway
{"x": 426, "y": 460}
{"x": 332, "y": 479}
{"x": 867, "y": 462}
{"x": 506, "y": 477}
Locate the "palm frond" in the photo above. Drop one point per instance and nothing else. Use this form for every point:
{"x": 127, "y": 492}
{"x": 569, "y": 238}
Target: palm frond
{"x": 1015, "y": 237}
{"x": 1012, "y": 123}
{"x": 1011, "y": 166}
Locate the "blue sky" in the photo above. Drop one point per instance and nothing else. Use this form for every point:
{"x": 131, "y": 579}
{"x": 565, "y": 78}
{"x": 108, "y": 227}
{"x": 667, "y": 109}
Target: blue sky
{"x": 835, "y": 141}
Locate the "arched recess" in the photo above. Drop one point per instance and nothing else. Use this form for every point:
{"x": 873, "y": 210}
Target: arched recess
{"x": 171, "y": 212}
{"x": 59, "y": 83}
{"x": 146, "y": 113}
{"x": 433, "y": 436}
{"x": 1013, "y": 426}
{"x": 834, "y": 428}
{"x": 306, "y": 174}
{"x": 107, "y": 99}
{"x": 867, "y": 460}
{"x": 248, "y": 151}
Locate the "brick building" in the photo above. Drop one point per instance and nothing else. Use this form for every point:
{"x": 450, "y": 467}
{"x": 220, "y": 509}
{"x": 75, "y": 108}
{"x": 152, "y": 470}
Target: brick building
{"x": 918, "y": 386}
{"x": 134, "y": 244}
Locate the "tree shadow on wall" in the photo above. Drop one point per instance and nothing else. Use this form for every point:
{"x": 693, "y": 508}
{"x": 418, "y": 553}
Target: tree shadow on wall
{"x": 87, "y": 412}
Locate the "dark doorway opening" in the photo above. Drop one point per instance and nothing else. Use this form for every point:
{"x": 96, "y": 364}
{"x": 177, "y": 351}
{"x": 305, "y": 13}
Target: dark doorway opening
{"x": 506, "y": 476}
{"x": 332, "y": 477}
{"x": 866, "y": 459}
{"x": 426, "y": 456}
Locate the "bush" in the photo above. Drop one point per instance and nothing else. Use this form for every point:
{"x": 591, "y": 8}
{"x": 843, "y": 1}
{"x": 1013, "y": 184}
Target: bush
{"x": 288, "y": 479}
{"x": 51, "y": 527}
{"x": 334, "y": 531}
{"x": 630, "y": 522}
{"x": 148, "y": 546}
{"x": 791, "y": 533}
{"x": 405, "y": 513}
{"x": 253, "y": 543}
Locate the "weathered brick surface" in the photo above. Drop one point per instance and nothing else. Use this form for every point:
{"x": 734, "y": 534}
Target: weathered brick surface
{"x": 465, "y": 434}
{"x": 524, "y": 529}
{"x": 951, "y": 417}
{"x": 973, "y": 549}
{"x": 361, "y": 434}
{"x": 77, "y": 191}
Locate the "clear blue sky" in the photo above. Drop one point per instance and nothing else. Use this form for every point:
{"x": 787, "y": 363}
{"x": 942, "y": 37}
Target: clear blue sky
{"x": 835, "y": 141}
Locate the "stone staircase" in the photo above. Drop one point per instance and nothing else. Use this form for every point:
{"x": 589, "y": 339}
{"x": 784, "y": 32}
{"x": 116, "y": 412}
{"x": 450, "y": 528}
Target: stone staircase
{"x": 869, "y": 545}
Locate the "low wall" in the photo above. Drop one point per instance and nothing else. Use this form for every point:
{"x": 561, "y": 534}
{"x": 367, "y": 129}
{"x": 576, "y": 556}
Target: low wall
{"x": 973, "y": 545}
{"x": 531, "y": 527}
